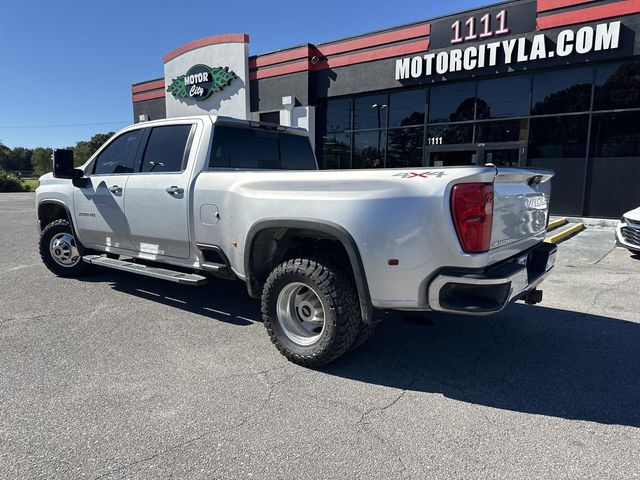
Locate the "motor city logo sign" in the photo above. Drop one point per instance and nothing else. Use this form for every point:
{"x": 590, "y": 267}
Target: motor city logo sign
{"x": 201, "y": 81}
{"x": 605, "y": 36}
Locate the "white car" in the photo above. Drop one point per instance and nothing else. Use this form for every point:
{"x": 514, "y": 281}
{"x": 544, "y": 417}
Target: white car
{"x": 628, "y": 231}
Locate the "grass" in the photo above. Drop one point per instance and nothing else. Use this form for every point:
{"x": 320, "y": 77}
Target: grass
{"x": 31, "y": 182}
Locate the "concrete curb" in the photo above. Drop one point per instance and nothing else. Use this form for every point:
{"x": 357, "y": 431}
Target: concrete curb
{"x": 594, "y": 222}
{"x": 558, "y": 222}
{"x": 564, "y": 234}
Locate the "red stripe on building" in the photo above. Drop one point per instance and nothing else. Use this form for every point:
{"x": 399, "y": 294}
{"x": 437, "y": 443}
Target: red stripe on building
{"x": 279, "y": 57}
{"x": 140, "y": 97}
{"x": 546, "y": 5}
{"x": 582, "y": 15}
{"x": 294, "y": 67}
{"x": 203, "y": 42}
{"x": 343, "y": 60}
{"x": 342, "y": 46}
{"x": 375, "y": 40}
{"x": 370, "y": 55}
{"x": 145, "y": 87}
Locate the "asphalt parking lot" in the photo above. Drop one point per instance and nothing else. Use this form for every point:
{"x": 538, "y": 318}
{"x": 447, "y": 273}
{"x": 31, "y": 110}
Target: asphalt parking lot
{"x": 116, "y": 376}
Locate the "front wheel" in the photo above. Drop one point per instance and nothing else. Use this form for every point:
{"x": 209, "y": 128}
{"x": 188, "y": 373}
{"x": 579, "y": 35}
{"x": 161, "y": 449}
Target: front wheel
{"x": 311, "y": 311}
{"x": 59, "y": 250}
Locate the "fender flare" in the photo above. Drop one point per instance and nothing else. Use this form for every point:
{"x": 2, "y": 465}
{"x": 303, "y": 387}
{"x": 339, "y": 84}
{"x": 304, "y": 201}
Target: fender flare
{"x": 323, "y": 226}
{"x": 69, "y": 219}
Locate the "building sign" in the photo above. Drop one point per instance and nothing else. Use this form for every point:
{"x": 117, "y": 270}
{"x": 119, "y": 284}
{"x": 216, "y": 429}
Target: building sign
{"x": 520, "y": 50}
{"x": 482, "y": 25}
{"x": 201, "y": 81}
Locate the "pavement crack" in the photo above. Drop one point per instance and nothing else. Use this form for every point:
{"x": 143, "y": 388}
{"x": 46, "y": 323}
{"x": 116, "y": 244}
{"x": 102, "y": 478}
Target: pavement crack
{"x": 151, "y": 457}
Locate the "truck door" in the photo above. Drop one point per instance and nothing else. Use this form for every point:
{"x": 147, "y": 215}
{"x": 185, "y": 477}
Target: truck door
{"x": 157, "y": 197}
{"x": 99, "y": 205}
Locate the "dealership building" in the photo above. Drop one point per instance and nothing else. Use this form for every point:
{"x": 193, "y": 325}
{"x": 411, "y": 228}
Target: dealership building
{"x": 538, "y": 83}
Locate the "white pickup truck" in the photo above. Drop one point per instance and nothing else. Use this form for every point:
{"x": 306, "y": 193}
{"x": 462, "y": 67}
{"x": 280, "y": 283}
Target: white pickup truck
{"x": 185, "y": 199}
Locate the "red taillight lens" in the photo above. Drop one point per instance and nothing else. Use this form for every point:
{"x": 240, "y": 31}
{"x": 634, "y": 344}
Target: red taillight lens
{"x": 472, "y": 210}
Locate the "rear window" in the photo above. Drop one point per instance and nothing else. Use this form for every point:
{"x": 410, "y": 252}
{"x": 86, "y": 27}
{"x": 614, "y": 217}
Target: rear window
{"x": 259, "y": 149}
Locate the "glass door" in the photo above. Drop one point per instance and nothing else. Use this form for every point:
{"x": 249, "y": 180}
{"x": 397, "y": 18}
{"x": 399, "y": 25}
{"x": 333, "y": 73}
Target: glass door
{"x": 500, "y": 155}
{"x": 506, "y": 157}
{"x": 453, "y": 158}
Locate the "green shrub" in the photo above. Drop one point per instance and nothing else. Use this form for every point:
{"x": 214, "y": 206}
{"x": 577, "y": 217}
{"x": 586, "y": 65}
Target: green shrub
{"x": 9, "y": 183}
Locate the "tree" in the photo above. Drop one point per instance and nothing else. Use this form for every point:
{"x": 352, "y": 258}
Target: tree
{"x": 83, "y": 150}
{"x": 22, "y": 158}
{"x": 41, "y": 160}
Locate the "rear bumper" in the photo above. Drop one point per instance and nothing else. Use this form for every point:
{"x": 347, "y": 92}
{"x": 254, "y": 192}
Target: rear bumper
{"x": 490, "y": 290}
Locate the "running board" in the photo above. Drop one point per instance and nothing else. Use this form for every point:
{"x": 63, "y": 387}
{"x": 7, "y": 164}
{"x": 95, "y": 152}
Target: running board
{"x": 155, "y": 272}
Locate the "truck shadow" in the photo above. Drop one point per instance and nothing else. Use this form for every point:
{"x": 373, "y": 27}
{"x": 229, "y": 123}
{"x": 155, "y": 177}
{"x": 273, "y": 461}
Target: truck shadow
{"x": 527, "y": 359}
{"x": 220, "y": 300}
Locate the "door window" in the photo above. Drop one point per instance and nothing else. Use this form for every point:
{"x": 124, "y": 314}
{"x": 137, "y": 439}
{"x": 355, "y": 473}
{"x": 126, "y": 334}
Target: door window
{"x": 120, "y": 155}
{"x": 166, "y": 149}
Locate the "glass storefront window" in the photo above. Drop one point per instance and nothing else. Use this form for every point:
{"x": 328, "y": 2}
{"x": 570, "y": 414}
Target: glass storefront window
{"x": 616, "y": 135}
{"x": 566, "y": 92}
{"x": 449, "y": 134}
{"x": 407, "y": 108}
{"x": 369, "y": 149}
{"x": 405, "y": 147}
{"x": 452, "y": 103}
{"x": 560, "y": 144}
{"x": 504, "y": 97}
{"x": 558, "y": 137}
{"x": 615, "y": 164}
{"x": 336, "y": 151}
{"x": 503, "y": 131}
{"x": 339, "y": 115}
{"x": 617, "y": 86}
{"x": 370, "y": 112}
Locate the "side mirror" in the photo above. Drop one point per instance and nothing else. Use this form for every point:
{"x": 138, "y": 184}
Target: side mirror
{"x": 63, "y": 167}
{"x": 63, "y": 163}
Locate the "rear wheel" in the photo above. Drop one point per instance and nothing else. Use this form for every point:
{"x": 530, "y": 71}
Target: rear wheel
{"x": 59, "y": 250}
{"x": 311, "y": 311}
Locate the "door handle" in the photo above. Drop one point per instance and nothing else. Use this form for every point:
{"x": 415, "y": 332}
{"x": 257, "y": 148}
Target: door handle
{"x": 173, "y": 190}
{"x": 116, "y": 190}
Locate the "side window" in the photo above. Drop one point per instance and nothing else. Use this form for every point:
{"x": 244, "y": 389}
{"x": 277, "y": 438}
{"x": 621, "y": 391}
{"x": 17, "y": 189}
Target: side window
{"x": 244, "y": 148}
{"x": 258, "y": 149}
{"x": 296, "y": 153}
{"x": 120, "y": 155}
{"x": 166, "y": 149}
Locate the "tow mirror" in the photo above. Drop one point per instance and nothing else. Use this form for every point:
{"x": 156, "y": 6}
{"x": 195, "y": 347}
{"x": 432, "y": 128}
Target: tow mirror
{"x": 63, "y": 163}
{"x": 63, "y": 167}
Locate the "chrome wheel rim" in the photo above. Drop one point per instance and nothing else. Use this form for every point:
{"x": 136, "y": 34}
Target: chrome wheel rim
{"x": 63, "y": 250}
{"x": 300, "y": 313}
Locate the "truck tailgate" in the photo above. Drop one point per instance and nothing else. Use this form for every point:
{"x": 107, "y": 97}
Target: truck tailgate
{"x": 521, "y": 204}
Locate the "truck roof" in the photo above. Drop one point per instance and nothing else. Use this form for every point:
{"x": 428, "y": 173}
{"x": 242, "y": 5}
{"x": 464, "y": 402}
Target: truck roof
{"x": 225, "y": 120}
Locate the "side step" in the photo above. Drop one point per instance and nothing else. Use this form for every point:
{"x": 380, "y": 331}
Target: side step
{"x": 155, "y": 272}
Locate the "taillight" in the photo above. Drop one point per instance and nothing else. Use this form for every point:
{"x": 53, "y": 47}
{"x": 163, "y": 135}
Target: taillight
{"x": 472, "y": 211}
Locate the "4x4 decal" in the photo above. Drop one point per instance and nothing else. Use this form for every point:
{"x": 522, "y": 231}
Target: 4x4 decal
{"x": 420, "y": 174}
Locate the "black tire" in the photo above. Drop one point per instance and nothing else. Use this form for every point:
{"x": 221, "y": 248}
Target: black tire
{"x": 364, "y": 334}
{"x": 57, "y": 227}
{"x": 337, "y": 292}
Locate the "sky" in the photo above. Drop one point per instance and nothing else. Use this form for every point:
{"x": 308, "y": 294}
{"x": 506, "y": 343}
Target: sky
{"x": 66, "y": 67}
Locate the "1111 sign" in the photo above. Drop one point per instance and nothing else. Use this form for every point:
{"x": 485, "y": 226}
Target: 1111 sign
{"x": 470, "y": 30}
